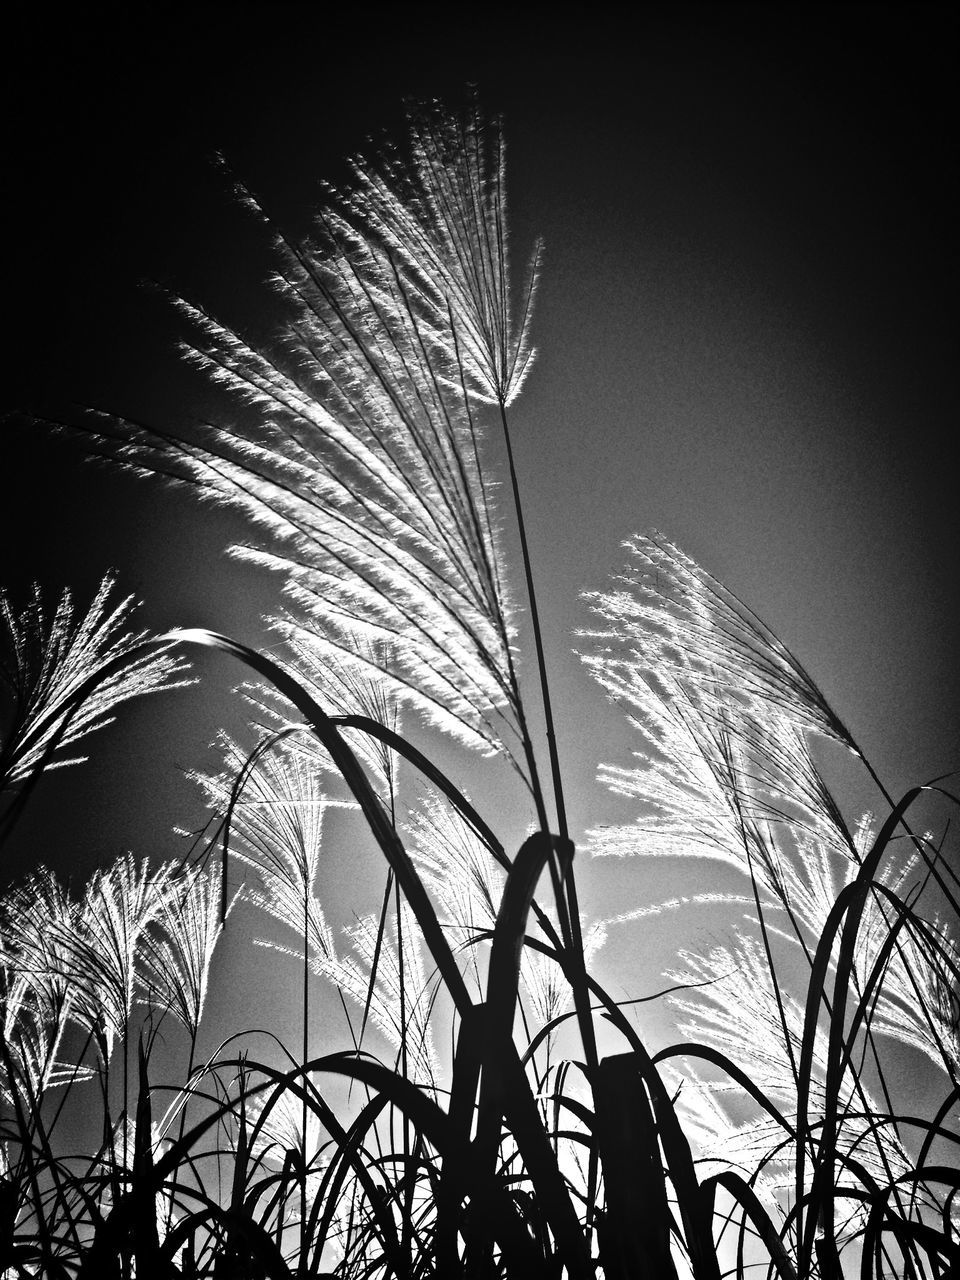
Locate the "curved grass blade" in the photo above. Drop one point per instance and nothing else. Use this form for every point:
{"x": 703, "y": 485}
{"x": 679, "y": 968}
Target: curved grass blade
{"x": 745, "y": 1195}
{"x": 634, "y": 1230}
{"x": 352, "y": 773}
{"x": 847, "y": 911}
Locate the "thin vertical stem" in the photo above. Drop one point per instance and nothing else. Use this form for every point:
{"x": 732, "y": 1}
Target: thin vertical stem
{"x": 537, "y": 636}
{"x": 126, "y": 1088}
{"x": 191, "y": 1057}
{"x": 564, "y": 886}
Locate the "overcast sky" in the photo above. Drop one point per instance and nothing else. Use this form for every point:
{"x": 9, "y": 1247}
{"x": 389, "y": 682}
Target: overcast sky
{"x": 746, "y": 324}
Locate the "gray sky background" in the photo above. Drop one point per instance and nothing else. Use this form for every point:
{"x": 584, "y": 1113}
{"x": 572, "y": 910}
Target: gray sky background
{"x": 746, "y": 327}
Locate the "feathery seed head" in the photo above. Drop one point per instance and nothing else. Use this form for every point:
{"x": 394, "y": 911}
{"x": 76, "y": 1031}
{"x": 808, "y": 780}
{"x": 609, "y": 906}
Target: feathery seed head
{"x": 361, "y": 464}
{"x": 44, "y": 660}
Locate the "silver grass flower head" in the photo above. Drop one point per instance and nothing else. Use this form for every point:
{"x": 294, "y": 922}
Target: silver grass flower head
{"x": 180, "y": 944}
{"x": 671, "y": 616}
{"x": 23, "y": 1068}
{"x": 277, "y": 821}
{"x": 103, "y": 952}
{"x": 33, "y": 915}
{"x": 402, "y": 985}
{"x": 738, "y": 978}
{"x": 547, "y": 988}
{"x": 725, "y": 711}
{"x": 917, "y": 1003}
{"x": 345, "y": 678}
{"x": 43, "y": 661}
{"x": 37, "y": 997}
{"x": 354, "y": 445}
{"x": 709, "y": 792}
{"x": 277, "y": 1123}
{"x": 444, "y": 218}
{"x": 914, "y": 1001}
{"x": 460, "y": 874}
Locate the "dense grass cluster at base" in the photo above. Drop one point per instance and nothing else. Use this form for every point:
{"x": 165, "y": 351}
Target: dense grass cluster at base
{"x": 769, "y": 1138}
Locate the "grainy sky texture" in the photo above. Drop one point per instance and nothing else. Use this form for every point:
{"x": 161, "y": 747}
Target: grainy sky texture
{"x": 747, "y": 327}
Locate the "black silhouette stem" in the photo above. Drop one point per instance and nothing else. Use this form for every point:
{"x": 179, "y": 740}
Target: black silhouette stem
{"x": 564, "y": 886}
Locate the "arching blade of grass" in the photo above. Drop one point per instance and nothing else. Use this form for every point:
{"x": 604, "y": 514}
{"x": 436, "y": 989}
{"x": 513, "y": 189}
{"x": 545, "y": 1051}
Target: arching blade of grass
{"x": 913, "y": 1235}
{"x": 258, "y": 1252}
{"x": 431, "y": 1122}
{"x": 750, "y": 1087}
{"x": 467, "y": 1064}
{"x": 634, "y": 1230}
{"x": 347, "y": 1157}
{"x": 298, "y": 1084}
{"x": 691, "y": 1202}
{"x": 847, "y": 911}
{"x": 521, "y": 1108}
{"x": 425, "y": 1115}
{"x": 747, "y": 1198}
{"x": 503, "y": 979}
{"x": 356, "y": 780}
{"x": 522, "y": 1113}
{"x": 503, "y": 1084}
{"x": 396, "y": 742}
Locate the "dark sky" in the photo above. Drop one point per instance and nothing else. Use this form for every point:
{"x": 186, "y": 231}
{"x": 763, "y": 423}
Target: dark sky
{"x": 747, "y": 323}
